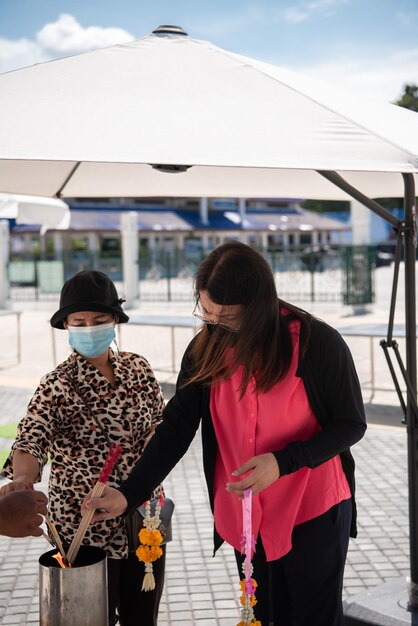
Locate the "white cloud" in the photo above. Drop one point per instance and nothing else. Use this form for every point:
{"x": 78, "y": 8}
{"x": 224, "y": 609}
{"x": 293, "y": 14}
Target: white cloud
{"x": 304, "y": 10}
{"x": 67, "y": 36}
{"x": 380, "y": 77}
{"x": 228, "y": 24}
{"x": 295, "y": 15}
{"x": 407, "y": 18}
{"x": 63, "y": 37}
{"x": 19, "y": 53}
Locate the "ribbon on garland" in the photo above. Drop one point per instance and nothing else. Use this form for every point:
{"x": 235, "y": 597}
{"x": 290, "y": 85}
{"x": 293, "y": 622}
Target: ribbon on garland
{"x": 248, "y": 585}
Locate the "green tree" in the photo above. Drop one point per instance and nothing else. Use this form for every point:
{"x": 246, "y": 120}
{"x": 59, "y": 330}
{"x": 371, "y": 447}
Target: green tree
{"x": 409, "y": 98}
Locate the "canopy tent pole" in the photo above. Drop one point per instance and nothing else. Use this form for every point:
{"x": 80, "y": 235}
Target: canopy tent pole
{"x": 374, "y": 206}
{"x": 389, "y": 342}
{"x": 410, "y": 242}
{"x": 407, "y": 231}
{"x": 59, "y": 192}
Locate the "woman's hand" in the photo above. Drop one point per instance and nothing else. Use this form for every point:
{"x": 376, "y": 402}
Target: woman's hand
{"x": 265, "y": 472}
{"x": 112, "y": 504}
{"x": 23, "y": 482}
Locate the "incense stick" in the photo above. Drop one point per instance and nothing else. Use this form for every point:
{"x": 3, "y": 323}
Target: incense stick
{"x": 84, "y": 524}
{"x": 56, "y": 536}
{"x": 96, "y": 493}
{"x": 45, "y": 536}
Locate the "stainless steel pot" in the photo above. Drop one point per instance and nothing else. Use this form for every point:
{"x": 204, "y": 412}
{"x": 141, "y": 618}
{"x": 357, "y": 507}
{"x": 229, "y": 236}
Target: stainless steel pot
{"x": 75, "y": 596}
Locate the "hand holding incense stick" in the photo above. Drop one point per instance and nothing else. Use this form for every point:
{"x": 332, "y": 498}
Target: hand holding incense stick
{"x": 97, "y": 492}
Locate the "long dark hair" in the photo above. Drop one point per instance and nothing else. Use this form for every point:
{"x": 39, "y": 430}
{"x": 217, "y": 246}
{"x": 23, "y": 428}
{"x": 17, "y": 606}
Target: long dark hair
{"x": 235, "y": 273}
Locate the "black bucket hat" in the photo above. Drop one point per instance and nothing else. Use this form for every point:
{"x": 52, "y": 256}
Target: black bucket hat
{"x": 88, "y": 290}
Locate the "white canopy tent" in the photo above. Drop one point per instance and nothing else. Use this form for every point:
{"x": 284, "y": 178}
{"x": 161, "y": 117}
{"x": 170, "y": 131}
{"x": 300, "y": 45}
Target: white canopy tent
{"x": 47, "y": 212}
{"x": 168, "y": 115}
{"x": 93, "y": 124}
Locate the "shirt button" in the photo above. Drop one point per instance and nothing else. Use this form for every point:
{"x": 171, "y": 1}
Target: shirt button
{"x": 251, "y": 414}
{"x": 251, "y": 440}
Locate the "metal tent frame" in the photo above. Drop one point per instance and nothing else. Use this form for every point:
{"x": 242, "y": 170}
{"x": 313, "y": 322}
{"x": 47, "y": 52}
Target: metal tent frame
{"x": 406, "y": 240}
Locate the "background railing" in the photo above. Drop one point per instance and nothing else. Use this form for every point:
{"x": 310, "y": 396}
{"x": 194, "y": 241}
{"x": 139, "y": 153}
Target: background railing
{"x": 306, "y": 274}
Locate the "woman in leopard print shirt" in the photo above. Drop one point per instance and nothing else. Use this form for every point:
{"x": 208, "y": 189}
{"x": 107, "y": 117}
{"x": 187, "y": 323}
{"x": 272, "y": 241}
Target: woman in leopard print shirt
{"x": 123, "y": 394}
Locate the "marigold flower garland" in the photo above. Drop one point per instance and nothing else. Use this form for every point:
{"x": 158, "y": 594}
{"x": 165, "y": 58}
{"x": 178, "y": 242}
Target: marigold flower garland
{"x": 248, "y": 585}
{"x": 150, "y": 539}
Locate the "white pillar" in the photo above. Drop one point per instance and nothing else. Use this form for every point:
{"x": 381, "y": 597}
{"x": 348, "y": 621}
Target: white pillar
{"x": 58, "y": 245}
{"x": 203, "y": 211}
{"x": 4, "y": 262}
{"x": 204, "y": 238}
{"x": 242, "y": 212}
{"x": 130, "y": 254}
{"x": 241, "y": 208}
{"x": 93, "y": 240}
{"x": 179, "y": 241}
{"x": 152, "y": 248}
{"x": 360, "y": 223}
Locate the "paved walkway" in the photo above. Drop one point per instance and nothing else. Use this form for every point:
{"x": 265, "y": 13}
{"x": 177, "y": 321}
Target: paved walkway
{"x": 200, "y": 589}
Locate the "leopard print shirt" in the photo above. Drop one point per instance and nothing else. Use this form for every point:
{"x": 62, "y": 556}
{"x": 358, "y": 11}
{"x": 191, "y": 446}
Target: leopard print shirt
{"x": 58, "y": 425}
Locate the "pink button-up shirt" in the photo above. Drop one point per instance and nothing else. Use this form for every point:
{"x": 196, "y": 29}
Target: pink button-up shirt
{"x": 265, "y": 422}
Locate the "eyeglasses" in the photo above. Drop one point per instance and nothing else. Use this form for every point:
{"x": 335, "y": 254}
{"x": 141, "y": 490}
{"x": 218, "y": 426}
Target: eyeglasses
{"x": 197, "y": 312}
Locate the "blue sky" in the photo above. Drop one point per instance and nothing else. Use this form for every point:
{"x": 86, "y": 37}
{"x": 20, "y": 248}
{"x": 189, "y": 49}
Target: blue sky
{"x": 367, "y": 46}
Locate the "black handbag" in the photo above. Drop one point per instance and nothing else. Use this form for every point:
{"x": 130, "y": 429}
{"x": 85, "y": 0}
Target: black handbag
{"x": 134, "y": 520}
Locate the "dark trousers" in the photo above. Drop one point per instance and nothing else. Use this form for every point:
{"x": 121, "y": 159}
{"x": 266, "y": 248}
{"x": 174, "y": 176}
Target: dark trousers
{"x": 304, "y": 587}
{"x": 135, "y": 607}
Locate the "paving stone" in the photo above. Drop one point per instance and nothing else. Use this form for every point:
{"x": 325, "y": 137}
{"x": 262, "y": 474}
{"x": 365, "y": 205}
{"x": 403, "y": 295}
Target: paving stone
{"x": 17, "y": 617}
{"x": 196, "y": 597}
{"x": 204, "y": 614}
{"x": 181, "y": 617}
{"x": 179, "y": 606}
{"x": 22, "y": 593}
{"x": 222, "y": 604}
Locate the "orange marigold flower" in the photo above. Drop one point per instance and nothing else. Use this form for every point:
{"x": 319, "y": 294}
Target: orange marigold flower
{"x": 150, "y": 537}
{"x": 148, "y": 554}
{"x": 252, "y": 601}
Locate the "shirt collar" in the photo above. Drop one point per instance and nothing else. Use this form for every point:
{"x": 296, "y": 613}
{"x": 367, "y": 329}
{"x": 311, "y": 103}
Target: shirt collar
{"x": 83, "y": 367}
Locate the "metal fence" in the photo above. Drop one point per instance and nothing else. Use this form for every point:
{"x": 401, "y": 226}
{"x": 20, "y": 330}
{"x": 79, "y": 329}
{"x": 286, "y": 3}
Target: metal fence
{"x": 308, "y": 274}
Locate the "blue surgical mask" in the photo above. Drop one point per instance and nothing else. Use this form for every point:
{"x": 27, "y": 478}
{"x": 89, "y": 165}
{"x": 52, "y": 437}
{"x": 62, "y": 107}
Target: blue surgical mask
{"x": 91, "y": 341}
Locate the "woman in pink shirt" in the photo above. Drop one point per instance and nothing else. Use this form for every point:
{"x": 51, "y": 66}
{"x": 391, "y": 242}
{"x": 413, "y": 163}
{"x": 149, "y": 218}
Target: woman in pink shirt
{"x": 280, "y": 405}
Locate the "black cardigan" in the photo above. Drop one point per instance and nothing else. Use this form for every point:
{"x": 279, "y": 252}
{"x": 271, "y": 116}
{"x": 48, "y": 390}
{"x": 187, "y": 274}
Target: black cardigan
{"x": 333, "y": 391}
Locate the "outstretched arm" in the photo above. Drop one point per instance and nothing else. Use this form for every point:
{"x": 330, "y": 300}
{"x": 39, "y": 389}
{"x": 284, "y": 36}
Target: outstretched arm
{"x": 25, "y": 471}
